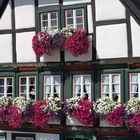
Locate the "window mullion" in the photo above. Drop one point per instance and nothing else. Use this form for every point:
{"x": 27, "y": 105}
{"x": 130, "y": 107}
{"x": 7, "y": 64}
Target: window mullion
{"x": 138, "y": 85}
{"x": 27, "y": 85}
{"x": 52, "y": 86}
{"x": 82, "y": 91}
{"x": 5, "y": 83}
{"x": 74, "y": 18}
{"x": 119, "y": 88}
{"x": 110, "y": 86}
{"x": 49, "y": 20}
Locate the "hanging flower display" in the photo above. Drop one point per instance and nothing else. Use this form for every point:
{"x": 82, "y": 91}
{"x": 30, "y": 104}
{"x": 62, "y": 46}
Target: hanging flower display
{"x": 132, "y": 118}
{"x": 41, "y": 113}
{"x": 81, "y": 110}
{"x": 74, "y": 40}
{"x": 116, "y": 116}
{"x": 78, "y": 43}
{"x": 46, "y": 110}
{"x": 41, "y": 44}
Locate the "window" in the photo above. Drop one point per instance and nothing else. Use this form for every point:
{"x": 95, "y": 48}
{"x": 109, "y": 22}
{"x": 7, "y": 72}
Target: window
{"x": 27, "y": 87}
{"x": 49, "y": 20}
{"x": 110, "y": 86}
{"x": 70, "y": 138}
{"x": 52, "y": 86}
{"x": 82, "y": 85}
{"x": 6, "y": 86}
{"x": 2, "y": 138}
{"x": 24, "y": 138}
{"x": 134, "y": 87}
{"x": 75, "y": 18}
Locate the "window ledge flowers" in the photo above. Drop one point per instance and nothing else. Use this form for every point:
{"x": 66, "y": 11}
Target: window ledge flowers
{"x": 74, "y": 40}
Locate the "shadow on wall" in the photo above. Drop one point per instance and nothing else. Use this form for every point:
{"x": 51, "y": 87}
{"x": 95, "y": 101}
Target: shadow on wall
{"x": 23, "y": 2}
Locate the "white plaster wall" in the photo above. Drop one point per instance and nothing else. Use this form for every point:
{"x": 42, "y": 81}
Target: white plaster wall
{"x": 41, "y": 136}
{"x": 6, "y": 48}
{"x": 24, "y": 49}
{"x": 111, "y": 41}
{"x": 24, "y": 13}
{"x": 109, "y": 9}
{"x": 48, "y": 2}
{"x": 70, "y": 2}
{"x": 84, "y": 57}
{"x": 54, "y": 57}
{"x": 5, "y": 21}
{"x": 90, "y": 19}
{"x": 135, "y": 29}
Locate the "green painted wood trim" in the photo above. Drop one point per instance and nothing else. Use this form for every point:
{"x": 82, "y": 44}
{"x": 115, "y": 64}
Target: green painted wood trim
{"x": 37, "y": 86}
{"x": 115, "y": 66}
{"x": 46, "y": 9}
{"x": 71, "y": 87}
{"x": 126, "y": 85}
{"x": 50, "y": 73}
{"x": 98, "y": 85}
{"x": 92, "y": 87}
{"x": 123, "y": 86}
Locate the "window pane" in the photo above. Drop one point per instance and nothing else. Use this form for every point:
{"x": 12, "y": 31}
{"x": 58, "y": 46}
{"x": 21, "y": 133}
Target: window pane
{"x": 56, "y": 89}
{"x": 70, "y": 21}
{"x": 23, "y": 89}
{"x": 79, "y": 12}
{"x": 9, "y": 89}
{"x": 77, "y": 79}
{"x": 48, "y": 89}
{"x": 80, "y": 26}
{"x": 134, "y": 78}
{"x": 115, "y": 97}
{"x": 32, "y": 96}
{"x": 31, "y": 81}
{"x": 115, "y": 78}
{"x": 86, "y": 89}
{"x": 135, "y": 95}
{"x": 115, "y": 88}
{"x": 77, "y": 89}
{"x": 47, "y": 80}
{"x": 1, "y": 89}
{"x": 44, "y": 16}
{"x": 46, "y": 95}
{"x": 53, "y": 22}
{"x": 87, "y": 79}
{"x": 69, "y": 13}
{"x": 2, "y": 138}
{"x": 9, "y": 81}
{"x": 105, "y": 88}
{"x": 79, "y": 20}
{"x": 45, "y": 24}
{"x": 56, "y": 80}
{"x": 31, "y": 88}
{"x": 134, "y": 88}
{"x": 23, "y": 81}
{"x": 1, "y": 81}
{"x": 53, "y": 16}
{"x": 105, "y": 79}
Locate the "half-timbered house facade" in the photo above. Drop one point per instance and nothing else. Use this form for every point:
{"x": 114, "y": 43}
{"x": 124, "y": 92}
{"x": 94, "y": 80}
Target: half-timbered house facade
{"x": 111, "y": 67}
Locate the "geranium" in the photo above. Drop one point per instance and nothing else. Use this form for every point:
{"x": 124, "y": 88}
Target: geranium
{"x": 15, "y": 119}
{"x": 41, "y": 44}
{"x": 78, "y": 43}
{"x": 42, "y": 113}
{"x": 116, "y": 117}
{"x": 81, "y": 109}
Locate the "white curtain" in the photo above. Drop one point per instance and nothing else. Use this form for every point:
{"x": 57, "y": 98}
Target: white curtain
{"x": 105, "y": 79}
{"x": 87, "y": 79}
{"x": 57, "y": 80}
{"x": 134, "y": 88}
{"x": 134, "y": 78}
{"x": 115, "y": 79}
{"x": 105, "y": 88}
{"x": 77, "y": 79}
{"x": 47, "y": 80}
{"x": 116, "y": 88}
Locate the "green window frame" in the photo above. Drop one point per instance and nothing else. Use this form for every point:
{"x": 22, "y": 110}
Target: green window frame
{"x": 61, "y": 14}
{"x": 48, "y": 10}
{"x": 27, "y": 76}
{"x": 129, "y": 84}
{"x": 3, "y": 136}
{"x": 110, "y": 74}
{"x": 83, "y": 73}
{"x": 51, "y": 74}
{"x": 73, "y": 8}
